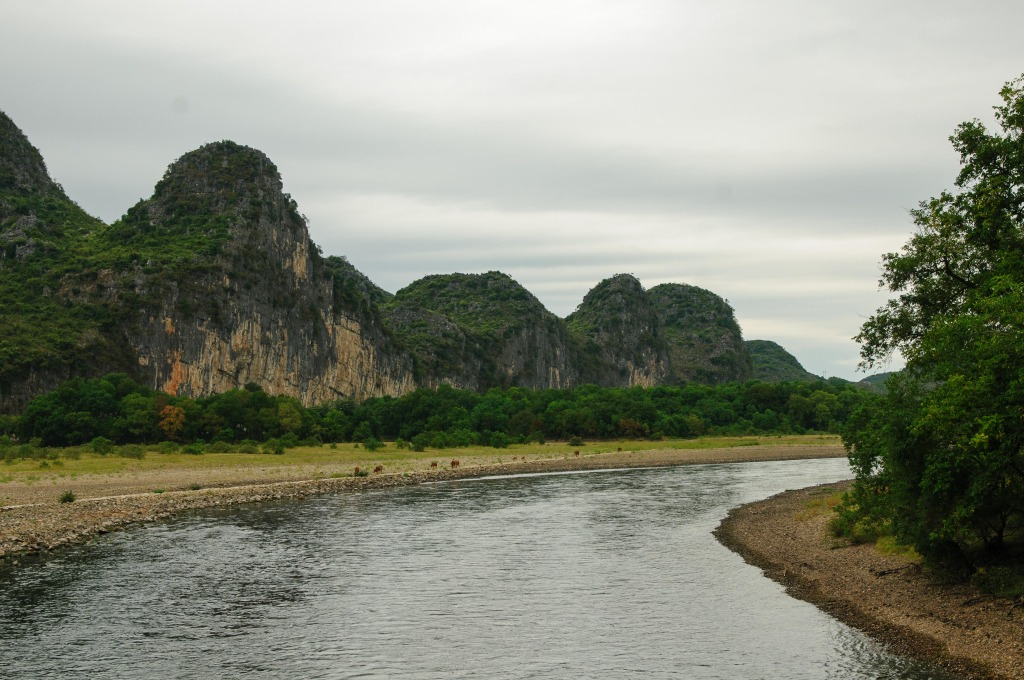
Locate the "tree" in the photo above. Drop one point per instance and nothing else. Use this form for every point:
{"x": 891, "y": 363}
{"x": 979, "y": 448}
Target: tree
{"x": 940, "y": 458}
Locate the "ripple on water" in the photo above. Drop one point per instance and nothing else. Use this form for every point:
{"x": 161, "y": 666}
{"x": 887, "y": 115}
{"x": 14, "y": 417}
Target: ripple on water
{"x": 557, "y": 576}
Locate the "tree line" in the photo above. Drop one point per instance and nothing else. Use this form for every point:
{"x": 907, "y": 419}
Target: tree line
{"x": 121, "y": 411}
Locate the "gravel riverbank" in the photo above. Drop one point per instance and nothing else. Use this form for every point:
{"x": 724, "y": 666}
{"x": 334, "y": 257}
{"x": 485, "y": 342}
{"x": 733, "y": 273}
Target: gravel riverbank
{"x": 888, "y": 596}
{"x": 34, "y": 521}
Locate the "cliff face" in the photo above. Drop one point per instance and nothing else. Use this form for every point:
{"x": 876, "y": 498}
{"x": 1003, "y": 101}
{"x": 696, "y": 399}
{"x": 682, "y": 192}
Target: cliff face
{"x": 477, "y": 331}
{"x": 618, "y": 335}
{"x": 704, "y": 341}
{"x": 259, "y": 304}
{"x": 213, "y": 283}
{"x": 45, "y": 339}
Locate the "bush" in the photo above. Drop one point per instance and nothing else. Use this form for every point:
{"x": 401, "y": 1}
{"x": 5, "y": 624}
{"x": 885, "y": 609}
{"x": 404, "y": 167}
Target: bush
{"x": 371, "y": 444}
{"x": 576, "y": 441}
{"x": 1001, "y": 581}
{"x": 852, "y": 523}
{"x": 136, "y": 451}
{"x": 194, "y": 449}
{"x": 167, "y": 447}
{"x": 72, "y": 452}
{"x": 101, "y": 445}
{"x": 499, "y": 440}
{"x": 275, "y": 446}
{"x": 248, "y": 446}
{"x": 67, "y": 497}
{"x": 220, "y": 447}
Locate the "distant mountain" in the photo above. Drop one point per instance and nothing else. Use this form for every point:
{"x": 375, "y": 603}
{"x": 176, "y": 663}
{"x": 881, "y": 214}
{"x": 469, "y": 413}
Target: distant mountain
{"x": 876, "y": 382}
{"x": 478, "y": 331}
{"x": 772, "y": 363}
{"x": 213, "y": 283}
{"x": 618, "y": 335}
{"x": 704, "y": 341}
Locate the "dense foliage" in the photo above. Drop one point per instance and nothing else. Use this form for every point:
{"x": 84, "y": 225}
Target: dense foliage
{"x": 939, "y": 460}
{"x": 772, "y": 363}
{"x": 117, "y": 409}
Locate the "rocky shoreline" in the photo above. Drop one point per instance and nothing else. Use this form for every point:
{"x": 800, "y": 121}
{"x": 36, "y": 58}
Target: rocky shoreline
{"x": 40, "y": 523}
{"x": 890, "y": 597}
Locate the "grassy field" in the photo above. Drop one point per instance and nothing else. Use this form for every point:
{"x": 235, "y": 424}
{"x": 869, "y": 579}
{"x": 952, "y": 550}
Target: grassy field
{"x": 342, "y": 459}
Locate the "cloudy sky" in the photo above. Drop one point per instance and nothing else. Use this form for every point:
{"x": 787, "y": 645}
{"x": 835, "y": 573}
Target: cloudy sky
{"x": 767, "y": 151}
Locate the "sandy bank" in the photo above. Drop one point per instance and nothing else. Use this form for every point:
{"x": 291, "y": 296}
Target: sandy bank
{"x": 889, "y": 597}
{"x": 37, "y": 522}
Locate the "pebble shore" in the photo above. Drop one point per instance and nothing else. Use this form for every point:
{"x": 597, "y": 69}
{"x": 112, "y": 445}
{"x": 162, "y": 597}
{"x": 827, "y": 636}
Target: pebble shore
{"x": 890, "y": 597}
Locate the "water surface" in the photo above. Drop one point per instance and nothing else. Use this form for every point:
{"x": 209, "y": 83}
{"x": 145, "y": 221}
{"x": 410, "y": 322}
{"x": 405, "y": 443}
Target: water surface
{"x": 596, "y": 575}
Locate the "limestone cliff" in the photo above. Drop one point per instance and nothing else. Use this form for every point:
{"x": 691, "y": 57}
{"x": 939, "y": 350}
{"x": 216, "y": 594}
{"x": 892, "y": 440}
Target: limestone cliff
{"x": 213, "y": 283}
{"x": 618, "y": 335}
{"x": 250, "y": 300}
{"x": 45, "y": 339}
{"x": 704, "y": 341}
{"x": 477, "y": 331}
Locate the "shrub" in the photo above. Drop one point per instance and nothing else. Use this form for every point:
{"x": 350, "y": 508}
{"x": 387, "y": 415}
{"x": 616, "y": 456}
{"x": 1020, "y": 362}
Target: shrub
{"x": 371, "y": 444}
{"x": 67, "y": 497}
{"x": 275, "y": 446}
{"x": 101, "y": 445}
{"x": 499, "y": 440}
{"x": 167, "y": 447}
{"x": 576, "y": 441}
{"x": 136, "y": 451}
{"x": 248, "y": 446}
{"x": 194, "y": 449}
{"x": 1001, "y": 581}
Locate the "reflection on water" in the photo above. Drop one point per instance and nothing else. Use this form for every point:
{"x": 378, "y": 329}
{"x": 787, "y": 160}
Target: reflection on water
{"x": 612, "y": 575}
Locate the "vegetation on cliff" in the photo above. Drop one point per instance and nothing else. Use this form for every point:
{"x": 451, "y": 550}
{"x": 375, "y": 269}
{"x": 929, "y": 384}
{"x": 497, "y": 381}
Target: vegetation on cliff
{"x": 704, "y": 341}
{"x": 617, "y": 334}
{"x": 772, "y": 363}
{"x": 212, "y": 283}
{"x": 465, "y": 328}
{"x": 940, "y": 459}
{"x": 42, "y": 239}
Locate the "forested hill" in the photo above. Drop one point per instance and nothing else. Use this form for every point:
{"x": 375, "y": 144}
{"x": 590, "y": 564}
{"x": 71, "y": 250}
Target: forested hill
{"x": 212, "y": 283}
{"x": 772, "y": 363}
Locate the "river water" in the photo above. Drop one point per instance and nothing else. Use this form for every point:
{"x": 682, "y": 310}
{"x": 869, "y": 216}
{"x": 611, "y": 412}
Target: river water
{"x": 609, "y": 574}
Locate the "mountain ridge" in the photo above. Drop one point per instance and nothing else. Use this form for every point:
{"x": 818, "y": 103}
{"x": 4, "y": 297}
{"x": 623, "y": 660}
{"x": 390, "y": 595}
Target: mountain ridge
{"x": 213, "y": 282}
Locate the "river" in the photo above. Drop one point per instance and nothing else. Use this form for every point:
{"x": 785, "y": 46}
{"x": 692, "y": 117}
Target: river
{"x": 611, "y": 574}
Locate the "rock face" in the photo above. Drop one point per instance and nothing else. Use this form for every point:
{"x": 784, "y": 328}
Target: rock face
{"x": 477, "y": 331}
{"x": 213, "y": 283}
{"x": 704, "y": 341}
{"x": 618, "y": 335}
{"x": 260, "y": 305}
{"x": 44, "y": 338}
{"x": 772, "y": 363}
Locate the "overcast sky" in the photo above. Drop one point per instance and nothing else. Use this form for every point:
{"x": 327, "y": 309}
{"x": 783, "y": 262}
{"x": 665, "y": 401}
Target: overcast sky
{"x": 766, "y": 151}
